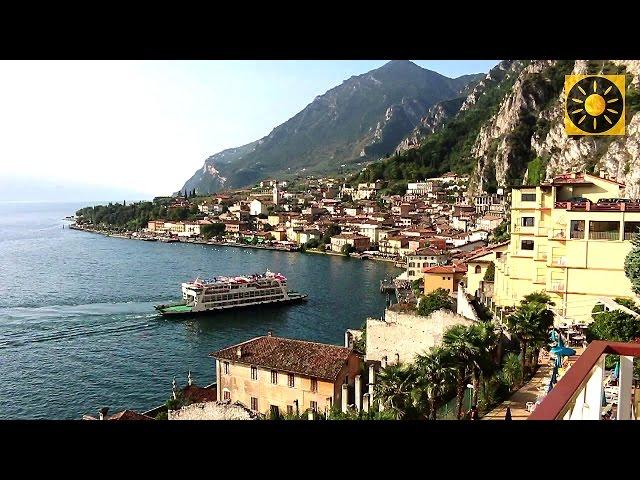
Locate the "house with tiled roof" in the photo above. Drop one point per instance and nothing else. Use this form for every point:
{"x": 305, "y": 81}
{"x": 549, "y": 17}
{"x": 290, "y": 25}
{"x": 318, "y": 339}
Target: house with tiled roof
{"x": 447, "y": 277}
{"x": 275, "y": 375}
{"x": 479, "y": 262}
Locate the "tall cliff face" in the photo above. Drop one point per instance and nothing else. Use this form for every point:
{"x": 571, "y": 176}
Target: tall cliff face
{"x": 362, "y": 119}
{"x": 530, "y": 125}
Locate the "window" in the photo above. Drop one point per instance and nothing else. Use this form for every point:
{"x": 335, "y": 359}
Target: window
{"x": 528, "y": 197}
{"x": 275, "y": 411}
{"x": 526, "y": 244}
{"x": 289, "y": 409}
{"x": 527, "y": 221}
{"x": 254, "y": 373}
{"x": 498, "y": 254}
{"x": 577, "y": 229}
{"x": 254, "y": 404}
{"x": 226, "y": 394}
{"x": 444, "y": 278}
{"x": 291, "y": 380}
{"x": 313, "y": 406}
{"x": 225, "y": 368}
{"x": 478, "y": 269}
{"x": 630, "y": 229}
{"x": 314, "y": 384}
{"x": 604, "y": 230}
{"x": 448, "y": 278}
{"x": 274, "y": 376}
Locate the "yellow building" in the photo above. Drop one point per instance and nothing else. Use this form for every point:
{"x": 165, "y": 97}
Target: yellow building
{"x": 285, "y": 376}
{"x": 443, "y": 276}
{"x": 478, "y": 264}
{"x": 569, "y": 238}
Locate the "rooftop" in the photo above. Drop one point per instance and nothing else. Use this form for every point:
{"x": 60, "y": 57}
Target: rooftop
{"x": 296, "y": 356}
{"x": 457, "y": 268}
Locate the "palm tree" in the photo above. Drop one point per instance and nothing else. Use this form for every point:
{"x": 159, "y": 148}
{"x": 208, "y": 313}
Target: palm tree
{"x": 529, "y": 323}
{"x": 394, "y": 388}
{"x": 486, "y": 338}
{"x": 462, "y": 347}
{"x": 435, "y": 376}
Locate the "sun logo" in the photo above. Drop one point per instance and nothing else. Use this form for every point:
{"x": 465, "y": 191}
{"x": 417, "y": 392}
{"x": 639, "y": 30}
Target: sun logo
{"x": 594, "y": 104}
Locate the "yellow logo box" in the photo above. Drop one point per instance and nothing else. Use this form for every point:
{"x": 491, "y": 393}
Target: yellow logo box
{"x": 594, "y": 104}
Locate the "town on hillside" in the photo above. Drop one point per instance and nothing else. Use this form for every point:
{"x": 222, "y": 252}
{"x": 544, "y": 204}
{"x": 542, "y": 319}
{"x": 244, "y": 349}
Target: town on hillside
{"x": 500, "y": 296}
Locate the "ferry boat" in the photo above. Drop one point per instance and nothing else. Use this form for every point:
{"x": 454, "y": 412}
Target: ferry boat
{"x": 227, "y": 293}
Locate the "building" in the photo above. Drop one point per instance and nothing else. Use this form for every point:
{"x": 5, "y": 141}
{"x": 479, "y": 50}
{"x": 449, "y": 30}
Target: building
{"x": 422, "y": 188}
{"x": 570, "y": 239}
{"x": 489, "y": 221}
{"x": 422, "y": 258}
{"x": 443, "y": 276}
{"x": 395, "y": 246}
{"x": 284, "y": 376}
{"x": 478, "y": 264}
{"x": 259, "y": 207}
{"x": 359, "y": 242}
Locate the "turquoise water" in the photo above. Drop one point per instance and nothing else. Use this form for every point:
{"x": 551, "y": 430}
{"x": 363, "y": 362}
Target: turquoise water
{"x": 78, "y": 330}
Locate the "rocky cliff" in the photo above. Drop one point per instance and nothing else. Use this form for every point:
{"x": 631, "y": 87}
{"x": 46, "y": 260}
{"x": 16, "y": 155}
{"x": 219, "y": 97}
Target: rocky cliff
{"x": 529, "y": 127}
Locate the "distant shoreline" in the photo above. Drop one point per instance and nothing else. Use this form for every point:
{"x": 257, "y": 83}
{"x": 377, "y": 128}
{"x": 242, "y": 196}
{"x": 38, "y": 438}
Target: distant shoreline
{"x": 74, "y": 226}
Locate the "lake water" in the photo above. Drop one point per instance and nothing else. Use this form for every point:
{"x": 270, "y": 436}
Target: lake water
{"x": 78, "y": 330}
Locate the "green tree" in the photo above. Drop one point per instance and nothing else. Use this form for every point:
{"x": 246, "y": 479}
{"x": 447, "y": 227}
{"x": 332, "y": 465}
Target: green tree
{"x": 394, "y": 389}
{"x": 462, "y": 344}
{"x": 436, "y": 300}
{"x": 490, "y": 273}
{"x": 331, "y": 231}
{"x": 347, "y": 249}
{"x": 212, "y": 230}
{"x": 511, "y": 373}
{"x": 435, "y": 375}
{"x": 632, "y": 264}
{"x": 529, "y": 323}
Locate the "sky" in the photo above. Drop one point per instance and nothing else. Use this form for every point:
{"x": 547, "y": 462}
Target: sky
{"x": 142, "y": 128}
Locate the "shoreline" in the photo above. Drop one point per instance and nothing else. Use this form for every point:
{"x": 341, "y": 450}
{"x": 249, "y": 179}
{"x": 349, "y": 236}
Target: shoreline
{"x": 152, "y": 238}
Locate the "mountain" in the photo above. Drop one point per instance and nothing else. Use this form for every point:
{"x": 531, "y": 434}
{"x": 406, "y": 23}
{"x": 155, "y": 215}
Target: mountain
{"x": 510, "y": 130}
{"x": 360, "y": 120}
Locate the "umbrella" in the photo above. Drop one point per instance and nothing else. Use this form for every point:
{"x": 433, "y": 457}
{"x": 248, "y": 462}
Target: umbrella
{"x": 616, "y": 371}
{"x": 563, "y": 351}
{"x": 553, "y": 336}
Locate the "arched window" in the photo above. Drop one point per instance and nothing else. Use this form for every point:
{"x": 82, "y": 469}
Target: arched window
{"x": 478, "y": 269}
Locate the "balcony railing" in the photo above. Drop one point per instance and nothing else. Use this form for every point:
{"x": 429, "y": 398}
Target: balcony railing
{"x": 604, "y": 235}
{"x": 557, "y": 286}
{"x": 578, "y": 394}
{"x": 558, "y": 234}
{"x": 559, "y": 260}
{"x": 599, "y": 207}
{"x": 576, "y": 234}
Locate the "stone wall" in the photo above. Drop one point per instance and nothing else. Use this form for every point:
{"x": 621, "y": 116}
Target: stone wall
{"x": 407, "y": 334}
{"x": 212, "y": 411}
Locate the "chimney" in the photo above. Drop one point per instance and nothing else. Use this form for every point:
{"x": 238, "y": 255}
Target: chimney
{"x": 269, "y": 333}
{"x": 239, "y": 352}
{"x": 102, "y": 413}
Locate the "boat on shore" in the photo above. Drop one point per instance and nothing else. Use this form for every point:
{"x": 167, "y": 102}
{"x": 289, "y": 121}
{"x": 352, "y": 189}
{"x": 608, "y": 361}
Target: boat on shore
{"x": 230, "y": 293}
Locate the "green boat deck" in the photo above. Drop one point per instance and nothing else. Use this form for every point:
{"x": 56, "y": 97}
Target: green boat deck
{"x": 176, "y": 309}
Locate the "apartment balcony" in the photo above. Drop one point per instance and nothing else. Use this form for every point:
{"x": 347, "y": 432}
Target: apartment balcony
{"x": 557, "y": 234}
{"x": 558, "y": 287}
{"x": 580, "y": 392}
{"x": 558, "y": 261}
{"x": 611, "y": 235}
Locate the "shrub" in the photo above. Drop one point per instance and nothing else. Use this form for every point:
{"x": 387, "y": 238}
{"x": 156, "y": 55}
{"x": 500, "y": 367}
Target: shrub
{"x": 437, "y": 300}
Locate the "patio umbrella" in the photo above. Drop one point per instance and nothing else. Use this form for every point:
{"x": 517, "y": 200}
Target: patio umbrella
{"x": 616, "y": 370}
{"x": 553, "y": 336}
{"x": 563, "y": 351}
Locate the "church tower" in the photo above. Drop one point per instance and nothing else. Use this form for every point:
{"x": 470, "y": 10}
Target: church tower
{"x": 276, "y": 193}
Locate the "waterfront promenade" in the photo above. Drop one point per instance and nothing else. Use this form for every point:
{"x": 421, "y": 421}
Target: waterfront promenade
{"x": 528, "y": 393}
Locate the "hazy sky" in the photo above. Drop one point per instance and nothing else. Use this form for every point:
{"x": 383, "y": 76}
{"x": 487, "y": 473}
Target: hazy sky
{"x": 146, "y": 126}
